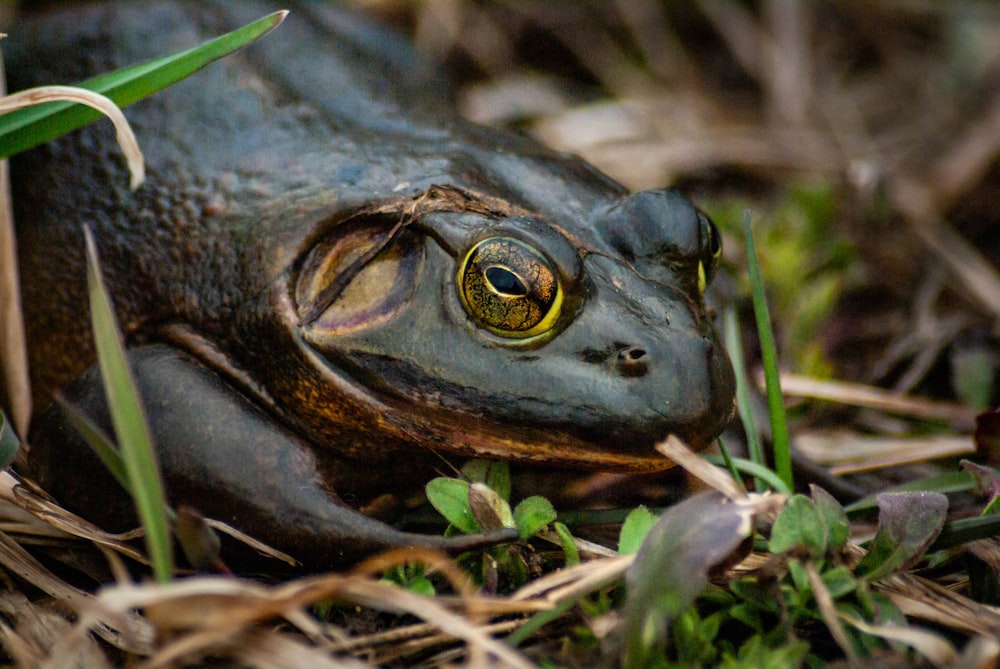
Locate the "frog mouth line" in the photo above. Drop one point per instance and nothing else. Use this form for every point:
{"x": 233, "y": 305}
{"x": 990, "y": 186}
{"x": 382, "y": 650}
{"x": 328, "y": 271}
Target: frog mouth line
{"x": 451, "y": 431}
{"x": 440, "y": 430}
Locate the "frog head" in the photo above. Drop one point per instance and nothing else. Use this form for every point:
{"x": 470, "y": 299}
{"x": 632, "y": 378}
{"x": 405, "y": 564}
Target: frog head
{"x": 474, "y": 325}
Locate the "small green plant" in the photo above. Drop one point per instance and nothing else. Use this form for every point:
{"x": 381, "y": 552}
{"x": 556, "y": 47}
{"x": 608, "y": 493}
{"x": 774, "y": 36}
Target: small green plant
{"x": 413, "y": 577}
{"x": 479, "y": 502}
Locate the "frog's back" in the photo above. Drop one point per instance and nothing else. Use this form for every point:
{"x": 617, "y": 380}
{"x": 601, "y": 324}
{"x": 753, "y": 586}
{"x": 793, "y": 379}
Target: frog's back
{"x": 247, "y": 135}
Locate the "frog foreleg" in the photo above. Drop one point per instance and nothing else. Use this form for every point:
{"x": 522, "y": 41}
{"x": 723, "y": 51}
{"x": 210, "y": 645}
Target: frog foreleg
{"x": 222, "y": 455}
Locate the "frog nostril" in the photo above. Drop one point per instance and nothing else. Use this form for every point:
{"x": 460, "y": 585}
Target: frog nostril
{"x": 633, "y": 361}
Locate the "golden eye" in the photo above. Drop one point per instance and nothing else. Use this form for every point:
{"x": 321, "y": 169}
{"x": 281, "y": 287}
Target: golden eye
{"x": 711, "y": 251}
{"x": 509, "y": 288}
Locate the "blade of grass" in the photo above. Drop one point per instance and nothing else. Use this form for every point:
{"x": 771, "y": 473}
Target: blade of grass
{"x": 734, "y": 345}
{"x": 25, "y": 128}
{"x": 963, "y": 530}
{"x": 99, "y": 441}
{"x": 950, "y": 482}
{"x": 129, "y": 420}
{"x": 758, "y": 471}
{"x": 727, "y": 460}
{"x": 769, "y": 356}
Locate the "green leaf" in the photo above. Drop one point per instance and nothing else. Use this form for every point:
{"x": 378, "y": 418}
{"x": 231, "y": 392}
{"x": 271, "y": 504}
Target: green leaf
{"x": 637, "y": 525}
{"x": 494, "y": 473}
{"x": 9, "y": 443}
{"x": 908, "y": 524}
{"x": 972, "y": 374}
{"x": 833, "y": 515}
{"x": 451, "y": 499}
{"x": 799, "y": 524}
{"x": 21, "y": 130}
{"x": 839, "y": 581}
{"x": 532, "y": 514}
{"x": 744, "y": 406}
{"x": 129, "y": 421}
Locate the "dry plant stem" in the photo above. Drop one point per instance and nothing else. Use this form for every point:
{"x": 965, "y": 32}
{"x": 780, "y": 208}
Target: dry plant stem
{"x": 123, "y": 133}
{"x": 13, "y": 346}
{"x": 857, "y": 394}
{"x": 922, "y": 598}
{"x": 712, "y": 476}
{"x": 828, "y": 610}
{"x": 206, "y": 610}
{"x": 935, "y": 648}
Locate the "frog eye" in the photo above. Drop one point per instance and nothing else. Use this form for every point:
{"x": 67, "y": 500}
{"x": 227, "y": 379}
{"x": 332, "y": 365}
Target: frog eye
{"x": 711, "y": 251}
{"x": 509, "y": 288}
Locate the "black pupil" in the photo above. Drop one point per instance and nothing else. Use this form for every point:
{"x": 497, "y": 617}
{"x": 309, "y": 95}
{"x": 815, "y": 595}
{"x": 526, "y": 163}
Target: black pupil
{"x": 714, "y": 243}
{"x": 505, "y": 282}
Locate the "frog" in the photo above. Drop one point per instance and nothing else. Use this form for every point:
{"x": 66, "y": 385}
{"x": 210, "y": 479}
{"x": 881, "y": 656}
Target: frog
{"x": 332, "y": 286}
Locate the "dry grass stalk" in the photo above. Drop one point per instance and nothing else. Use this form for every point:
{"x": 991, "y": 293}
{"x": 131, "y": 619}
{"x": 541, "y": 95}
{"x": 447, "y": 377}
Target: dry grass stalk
{"x": 847, "y": 452}
{"x": 13, "y": 347}
{"x": 861, "y": 395}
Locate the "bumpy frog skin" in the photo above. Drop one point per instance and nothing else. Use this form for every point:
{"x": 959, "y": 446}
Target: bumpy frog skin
{"x": 330, "y": 284}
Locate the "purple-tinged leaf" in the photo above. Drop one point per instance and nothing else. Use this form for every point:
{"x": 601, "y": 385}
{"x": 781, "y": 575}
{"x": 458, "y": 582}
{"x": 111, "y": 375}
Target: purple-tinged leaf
{"x": 672, "y": 568}
{"x": 987, "y": 480}
{"x": 908, "y": 524}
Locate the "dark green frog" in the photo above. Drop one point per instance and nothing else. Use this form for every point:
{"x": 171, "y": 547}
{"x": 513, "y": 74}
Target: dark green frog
{"x": 331, "y": 285}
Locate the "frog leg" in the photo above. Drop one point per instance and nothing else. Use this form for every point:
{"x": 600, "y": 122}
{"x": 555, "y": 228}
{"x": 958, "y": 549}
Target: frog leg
{"x": 222, "y": 455}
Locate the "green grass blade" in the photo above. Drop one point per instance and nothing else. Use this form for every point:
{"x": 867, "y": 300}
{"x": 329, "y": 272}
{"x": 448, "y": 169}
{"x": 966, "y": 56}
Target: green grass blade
{"x": 964, "y": 530}
{"x": 129, "y": 420}
{"x": 99, "y": 441}
{"x": 949, "y": 482}
{"x": 769, "y": 355}
{"x": 727, "y": 460}
{"x": 731, "y": 332}
{"x": 758, "y": 471}
{"x": 20, "y": 130}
